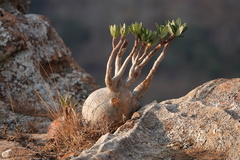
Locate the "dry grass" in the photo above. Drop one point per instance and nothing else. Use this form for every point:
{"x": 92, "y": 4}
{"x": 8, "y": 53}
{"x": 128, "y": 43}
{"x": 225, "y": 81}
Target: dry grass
{"x": 69, "y": 132}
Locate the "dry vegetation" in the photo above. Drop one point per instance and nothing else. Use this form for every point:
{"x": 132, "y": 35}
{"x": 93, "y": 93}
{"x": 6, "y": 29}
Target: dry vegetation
{"x": 68, "y": 134}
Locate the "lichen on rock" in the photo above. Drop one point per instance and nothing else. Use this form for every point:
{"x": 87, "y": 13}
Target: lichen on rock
{"x": 35, "y": 65}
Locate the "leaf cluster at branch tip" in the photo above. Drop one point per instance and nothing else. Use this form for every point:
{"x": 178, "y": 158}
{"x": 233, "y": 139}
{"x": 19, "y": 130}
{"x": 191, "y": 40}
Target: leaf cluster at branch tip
{"x": 114, "y": 30}
{"x": 176, "y": 28}
{"x": 147, "y": 36}
{"x": 173, "y": 28}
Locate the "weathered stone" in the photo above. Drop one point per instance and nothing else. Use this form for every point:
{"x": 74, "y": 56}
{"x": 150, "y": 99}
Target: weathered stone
{"x": 6, "y": 145}
{"x": 204, "y": 124}
{"x": 27, "y": 123}
{"x": 7, "y": 154}
{"x": 15, "y": 6}
{"x": 54, "y": 128}
{"x": 35, "y": 63}
{"x": 35, "y": 67}
{"x": 16, "y": 150}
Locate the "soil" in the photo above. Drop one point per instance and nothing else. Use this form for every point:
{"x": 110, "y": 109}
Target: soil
{"x": 30, "y": 146}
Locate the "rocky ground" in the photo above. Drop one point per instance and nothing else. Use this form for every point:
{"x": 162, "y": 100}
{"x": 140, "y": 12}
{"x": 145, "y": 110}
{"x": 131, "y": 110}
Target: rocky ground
{"x": 36, "y": 69}
{"x": 26, "y": 147}
{"x": 203, "y": 125}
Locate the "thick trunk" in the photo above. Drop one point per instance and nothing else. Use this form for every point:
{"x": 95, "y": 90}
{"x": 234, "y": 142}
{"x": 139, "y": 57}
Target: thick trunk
{"x": 106, "y": 107}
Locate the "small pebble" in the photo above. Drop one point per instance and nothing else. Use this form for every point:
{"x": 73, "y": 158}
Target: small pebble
{"x": 7, "y": 154}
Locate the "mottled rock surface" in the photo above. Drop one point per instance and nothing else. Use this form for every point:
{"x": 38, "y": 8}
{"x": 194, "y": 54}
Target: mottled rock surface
{"x": 15, "y": 6}
{"x": 35, "y": 66}
{"x": 203, "y": 125}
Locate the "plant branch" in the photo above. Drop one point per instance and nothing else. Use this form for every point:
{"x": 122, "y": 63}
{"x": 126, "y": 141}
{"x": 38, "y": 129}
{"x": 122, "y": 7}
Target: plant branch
{"x": 149, "y": 56}
{"x": 121, "y": 71}
{"x": 108, "y": 76}
{"x": 140, "y": 51}
{"x": 119, "y": 56}
{"x": 139, "y": 62}
{"x": 139, "y": 91}
{"x": 144, "y": 54}
{"x": 140, "y": 56}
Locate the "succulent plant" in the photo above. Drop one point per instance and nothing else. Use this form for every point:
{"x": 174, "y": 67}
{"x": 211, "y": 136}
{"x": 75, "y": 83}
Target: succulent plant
{"x": 116, "y": 102}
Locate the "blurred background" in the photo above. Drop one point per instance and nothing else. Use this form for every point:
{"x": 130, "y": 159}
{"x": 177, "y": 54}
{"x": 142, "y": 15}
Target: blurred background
{"x": 210, "y": 48}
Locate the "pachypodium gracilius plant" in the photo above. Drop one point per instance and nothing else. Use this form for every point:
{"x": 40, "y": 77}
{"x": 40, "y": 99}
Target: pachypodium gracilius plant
{"x": 116, "y": 102}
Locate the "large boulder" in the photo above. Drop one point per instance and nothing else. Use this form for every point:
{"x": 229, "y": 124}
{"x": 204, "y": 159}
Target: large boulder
{"x": 35, "y": 66}
{"x": 204, "y": 124}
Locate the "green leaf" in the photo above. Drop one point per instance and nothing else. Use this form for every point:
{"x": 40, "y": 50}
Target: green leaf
{"x": 170, "y": 29}
{"x": 178, "y": 22}
{"x": 114, "y": 31}
{"x": 147, "y": 36}
{"x": 67, "y": 101}
{"x": 153, "y": 40}
{"x": 135, "y": 28}
{"x": 185, "y": 28}
{"x": 176, "y": 28}
{"x": 179, "y": 31}
{"x": 124, "y": 30}
{"x": 162, "y": 30}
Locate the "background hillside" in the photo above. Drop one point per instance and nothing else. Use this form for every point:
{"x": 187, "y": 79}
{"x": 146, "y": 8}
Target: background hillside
{"x": 209, "y": 50}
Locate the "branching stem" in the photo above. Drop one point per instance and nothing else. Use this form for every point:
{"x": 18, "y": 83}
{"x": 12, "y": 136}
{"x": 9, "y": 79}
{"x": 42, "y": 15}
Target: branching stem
{"x": 139, "y": 91}
{"x": 119, "y": 56}
{"x": 121, "y": 71}
{"x": 108, "y": 76}
{"x": 140, "y": 54}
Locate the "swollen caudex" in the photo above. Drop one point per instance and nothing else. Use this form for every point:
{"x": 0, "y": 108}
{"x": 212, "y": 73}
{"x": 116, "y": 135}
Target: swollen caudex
{"x": 105, "y": 106}
{"x": 116, "y": 103}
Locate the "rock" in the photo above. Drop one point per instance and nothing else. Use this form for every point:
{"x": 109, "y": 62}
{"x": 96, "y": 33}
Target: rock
{"x": 35, "y": 65}
{"x": 54, "y": 128}
{"x": 6, "y": 145}
{"x": 204, "y": 124}
{"x": 15, "y": 6}
{"x": 27, "y": 123}
{"x": 7, "y": 154}
{"x": 20, "y": 149}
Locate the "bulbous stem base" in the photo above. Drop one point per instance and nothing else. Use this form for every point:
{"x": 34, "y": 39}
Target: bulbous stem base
{"x": 104, "y": 107}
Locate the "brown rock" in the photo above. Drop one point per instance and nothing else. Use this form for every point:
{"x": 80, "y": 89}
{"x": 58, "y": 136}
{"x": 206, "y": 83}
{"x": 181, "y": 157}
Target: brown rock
{"x": 55, "y": 127}
{"x": 202, "y": 125}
